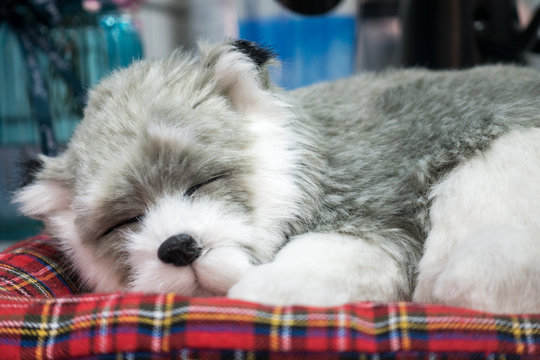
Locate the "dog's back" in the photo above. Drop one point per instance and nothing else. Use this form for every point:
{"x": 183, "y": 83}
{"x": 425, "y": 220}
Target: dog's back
{"x": 390, "y": 137}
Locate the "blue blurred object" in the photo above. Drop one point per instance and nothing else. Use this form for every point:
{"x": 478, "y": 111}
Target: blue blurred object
{"x": 50, "y": 56}
{"x": 311, "y": 48}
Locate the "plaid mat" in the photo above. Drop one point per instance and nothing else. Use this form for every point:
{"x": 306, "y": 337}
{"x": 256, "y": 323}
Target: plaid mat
{"x": 42, "y": 317}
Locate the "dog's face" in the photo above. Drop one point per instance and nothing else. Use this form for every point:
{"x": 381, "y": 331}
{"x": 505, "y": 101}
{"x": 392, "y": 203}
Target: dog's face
{"x": 179, "y": 178}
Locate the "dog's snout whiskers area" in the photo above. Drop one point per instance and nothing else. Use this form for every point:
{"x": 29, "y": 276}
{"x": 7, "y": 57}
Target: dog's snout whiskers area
{"x": 179, "y": 250}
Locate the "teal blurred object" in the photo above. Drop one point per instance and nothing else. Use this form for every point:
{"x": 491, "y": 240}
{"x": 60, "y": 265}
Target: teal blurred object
{"x": 93, "y": 44}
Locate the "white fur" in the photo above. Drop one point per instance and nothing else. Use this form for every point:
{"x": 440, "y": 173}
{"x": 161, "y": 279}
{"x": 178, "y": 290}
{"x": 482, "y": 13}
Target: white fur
{"x": 221, "y": 232}
{"x": 323, "y": 269}
{"x": 494, "y": 269}
{"x": 496, "y": 188}
{"x": 41, "y": 198}
{"x": 274, "y": 145}
{"x": 274, "y": 161}
{"x": 52, "y": 202}
{"x": 96, "y": 273}
{"x": 238, "y": 75}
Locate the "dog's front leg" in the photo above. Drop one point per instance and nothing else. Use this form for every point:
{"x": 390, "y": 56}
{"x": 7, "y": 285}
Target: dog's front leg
{"x": 325, "y": 269}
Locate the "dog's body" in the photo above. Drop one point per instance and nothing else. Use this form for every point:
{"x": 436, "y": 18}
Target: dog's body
{"x": 198, "y": 176}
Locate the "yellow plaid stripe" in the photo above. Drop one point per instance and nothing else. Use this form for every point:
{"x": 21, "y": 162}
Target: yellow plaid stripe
{"x": 60, "y": 271}
{"x": 43, "y": 330}
{"x": 27, "y": 280}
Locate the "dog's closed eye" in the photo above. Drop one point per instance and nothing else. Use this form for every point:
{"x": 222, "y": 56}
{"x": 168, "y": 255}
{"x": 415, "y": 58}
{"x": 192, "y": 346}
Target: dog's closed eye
{"x": 194, "y": 188}
{"x": 123, "y": 223}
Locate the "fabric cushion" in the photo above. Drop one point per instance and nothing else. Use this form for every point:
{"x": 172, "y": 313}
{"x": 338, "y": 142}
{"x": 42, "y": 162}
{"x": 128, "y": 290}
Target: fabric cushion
{"x": 44, "y": 316}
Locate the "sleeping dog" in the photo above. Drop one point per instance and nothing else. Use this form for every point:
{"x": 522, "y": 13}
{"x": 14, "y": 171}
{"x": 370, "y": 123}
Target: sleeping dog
{"x": 195, "y": 174}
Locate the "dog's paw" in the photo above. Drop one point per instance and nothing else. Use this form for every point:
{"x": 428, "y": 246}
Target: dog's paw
{"x": 324, "y": 269}
{"x": 273, "y": 284}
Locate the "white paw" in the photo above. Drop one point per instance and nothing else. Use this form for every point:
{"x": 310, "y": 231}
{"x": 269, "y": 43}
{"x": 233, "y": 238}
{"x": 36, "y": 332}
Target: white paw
{"x": 273, "y": 284}
{"x": 323, "y": 269}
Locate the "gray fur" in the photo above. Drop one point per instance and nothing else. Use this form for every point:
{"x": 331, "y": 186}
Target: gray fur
{"x": 390, "y": 137}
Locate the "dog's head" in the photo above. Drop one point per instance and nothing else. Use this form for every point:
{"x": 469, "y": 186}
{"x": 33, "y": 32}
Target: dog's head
{"x": 183, "y": 173}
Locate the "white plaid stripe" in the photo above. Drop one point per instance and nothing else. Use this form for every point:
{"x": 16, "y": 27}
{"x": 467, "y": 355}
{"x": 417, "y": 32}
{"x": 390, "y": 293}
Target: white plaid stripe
{"x": 158, "y": 322}
{"x": 53, "y": 325}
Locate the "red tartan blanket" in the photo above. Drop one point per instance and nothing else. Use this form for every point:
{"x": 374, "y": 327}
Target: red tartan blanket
{"x": 43, "y": 317}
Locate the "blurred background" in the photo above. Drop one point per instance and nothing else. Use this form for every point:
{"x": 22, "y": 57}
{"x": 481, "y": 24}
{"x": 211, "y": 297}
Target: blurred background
{"x": 52, "y": 51}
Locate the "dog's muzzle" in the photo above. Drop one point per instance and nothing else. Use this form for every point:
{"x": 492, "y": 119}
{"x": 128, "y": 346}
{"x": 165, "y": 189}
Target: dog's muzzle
{"x": 179, "y": 250}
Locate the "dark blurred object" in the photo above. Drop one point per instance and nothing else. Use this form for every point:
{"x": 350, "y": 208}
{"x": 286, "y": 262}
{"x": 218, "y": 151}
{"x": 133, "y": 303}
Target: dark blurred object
{"x": 310, "y": 7}
{"x": 463, "y": 33}
{"x": 371, "y": 9}
{"x": 379, "y": 40}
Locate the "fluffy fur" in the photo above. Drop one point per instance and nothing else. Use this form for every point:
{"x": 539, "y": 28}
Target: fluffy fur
{"x": 402, "y": 185}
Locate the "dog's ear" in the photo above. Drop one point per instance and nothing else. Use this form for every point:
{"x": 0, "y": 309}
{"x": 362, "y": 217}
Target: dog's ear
{"x": 44, "y": 188}
{"x": 240, "y": 70}
{"x": 258, "y": 54}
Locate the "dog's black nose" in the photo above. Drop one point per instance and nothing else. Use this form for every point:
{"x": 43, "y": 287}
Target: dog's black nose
{"x": 179, "y": 250}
